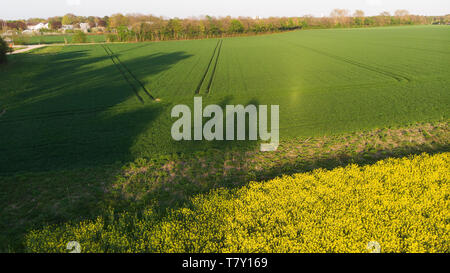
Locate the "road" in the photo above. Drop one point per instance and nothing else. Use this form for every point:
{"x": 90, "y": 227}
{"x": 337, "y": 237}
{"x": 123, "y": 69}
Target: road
{"x": 28, "y": 48}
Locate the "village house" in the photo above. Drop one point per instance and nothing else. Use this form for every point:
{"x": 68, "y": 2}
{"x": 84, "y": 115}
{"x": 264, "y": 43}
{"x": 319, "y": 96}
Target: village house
{"x": 85, "y": 27}
{"x": 67, "y": 27}
{"x": 36, "y": 28}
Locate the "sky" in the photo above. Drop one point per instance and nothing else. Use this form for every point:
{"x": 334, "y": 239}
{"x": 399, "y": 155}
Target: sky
{"x": 23, "y": 9}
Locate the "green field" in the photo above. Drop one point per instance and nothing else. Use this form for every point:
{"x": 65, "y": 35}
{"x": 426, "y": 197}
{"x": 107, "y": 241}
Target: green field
{"x": 71, "y": 106}
{"x": 86, "y": 128}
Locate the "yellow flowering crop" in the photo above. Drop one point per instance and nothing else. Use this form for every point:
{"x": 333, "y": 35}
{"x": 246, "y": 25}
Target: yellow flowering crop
{"x": 403, "y": 204}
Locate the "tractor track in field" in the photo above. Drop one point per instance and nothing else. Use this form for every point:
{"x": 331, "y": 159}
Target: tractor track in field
{"x": 124, "y": 75}
{"x": 124, "y": 70}
{"x": 197, "y": 90}
{"x": 208, "y": 88}
{"x": 132, "y": 75}
{"x": 397, "y": 77}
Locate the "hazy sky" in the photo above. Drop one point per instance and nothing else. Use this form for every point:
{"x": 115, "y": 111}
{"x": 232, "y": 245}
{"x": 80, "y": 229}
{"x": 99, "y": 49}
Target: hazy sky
{"x": 22, "y": 9}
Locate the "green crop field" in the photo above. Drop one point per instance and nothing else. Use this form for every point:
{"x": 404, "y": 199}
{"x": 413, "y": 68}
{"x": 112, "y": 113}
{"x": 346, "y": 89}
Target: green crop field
{"x": 68, "y": 109}
{"x": 72, "y": 106}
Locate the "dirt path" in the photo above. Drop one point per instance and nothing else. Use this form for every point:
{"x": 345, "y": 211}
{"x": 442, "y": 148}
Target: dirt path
{"x": 28, "y": 48}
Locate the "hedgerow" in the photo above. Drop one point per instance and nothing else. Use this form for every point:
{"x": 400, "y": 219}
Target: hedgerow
{"x": 403, "y": 204}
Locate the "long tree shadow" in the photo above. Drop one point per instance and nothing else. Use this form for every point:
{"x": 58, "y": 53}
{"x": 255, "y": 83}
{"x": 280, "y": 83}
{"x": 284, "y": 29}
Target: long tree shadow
{"x": 76, "y": 111}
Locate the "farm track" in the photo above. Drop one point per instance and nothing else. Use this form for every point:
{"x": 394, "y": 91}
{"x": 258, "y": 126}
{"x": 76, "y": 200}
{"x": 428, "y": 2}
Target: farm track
{"x": 197, "y": 91}
{"x": 124, "y": 70}
{"x": 397, "y": 77}
{"x": 28, "y": 48}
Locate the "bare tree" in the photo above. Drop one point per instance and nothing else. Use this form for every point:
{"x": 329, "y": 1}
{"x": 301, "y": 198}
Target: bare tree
{"x": 340, "y": 13}
{"x": 340, "y": 16}
{"x": 401, "y": 13}
{"x": 358, "y": 13}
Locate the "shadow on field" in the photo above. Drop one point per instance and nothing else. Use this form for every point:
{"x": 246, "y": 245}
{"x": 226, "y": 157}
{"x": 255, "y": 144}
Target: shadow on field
{"x": 74, "y": 110}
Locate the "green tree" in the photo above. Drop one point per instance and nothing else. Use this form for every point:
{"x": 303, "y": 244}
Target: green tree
{"x": 236, "y": 26}
{"x": 4, "y": 48}
{"x": 79, "y": 37}
{"x": 118, "y": 20}
{"x": 175, "y": 27}
{"x": 68, "y": 19}
{"x": 55, "y": 24}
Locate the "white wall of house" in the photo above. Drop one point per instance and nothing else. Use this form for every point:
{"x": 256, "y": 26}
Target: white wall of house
{"x": 85, "y": 27}
{"x": 65, "y": 27}
{"x": 38, "y": 27}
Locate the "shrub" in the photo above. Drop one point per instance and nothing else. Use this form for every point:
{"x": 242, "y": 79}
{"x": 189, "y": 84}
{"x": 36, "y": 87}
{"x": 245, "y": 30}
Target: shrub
{"x": 111, "y": 38}
{"x": 79, "y": 37}
{"x": 21, "y": 39}
{"x": 400, "y": 203}
{"x": 4, "y": 48}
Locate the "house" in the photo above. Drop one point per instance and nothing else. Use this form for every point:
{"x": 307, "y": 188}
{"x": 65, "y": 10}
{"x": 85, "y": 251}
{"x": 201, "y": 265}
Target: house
{"x": 85, "y": 27}
{"x": 38, "y": 27}
{"x": 67, "y": 27}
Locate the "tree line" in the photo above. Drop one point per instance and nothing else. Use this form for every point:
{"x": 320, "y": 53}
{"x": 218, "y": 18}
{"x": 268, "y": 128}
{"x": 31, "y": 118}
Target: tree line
{"x": 137, "y": 27}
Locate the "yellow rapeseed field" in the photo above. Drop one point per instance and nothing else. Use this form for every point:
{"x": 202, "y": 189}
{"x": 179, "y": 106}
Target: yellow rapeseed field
{"x": 402, "y": 204}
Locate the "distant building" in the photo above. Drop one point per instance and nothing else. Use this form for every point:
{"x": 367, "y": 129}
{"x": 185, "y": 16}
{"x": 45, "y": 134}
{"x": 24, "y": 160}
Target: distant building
{"x": 67, "y": 27}
{"x": 85, "y": 27}
{"x": 38, "y": 27}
